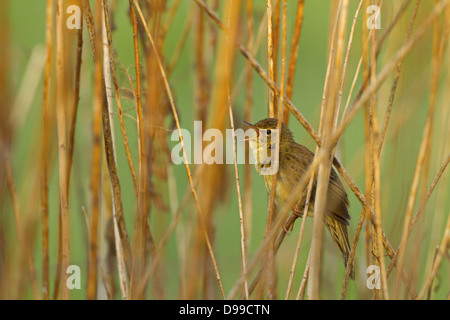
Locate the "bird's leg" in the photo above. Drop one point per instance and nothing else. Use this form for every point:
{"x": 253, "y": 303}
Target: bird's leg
{"x": 298, "y": 209}
{"x": 298, "y": 214}
{"x": 286, "y": 230}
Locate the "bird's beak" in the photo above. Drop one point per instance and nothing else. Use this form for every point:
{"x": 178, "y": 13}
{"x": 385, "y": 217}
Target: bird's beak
{"x": 251, "y": 125}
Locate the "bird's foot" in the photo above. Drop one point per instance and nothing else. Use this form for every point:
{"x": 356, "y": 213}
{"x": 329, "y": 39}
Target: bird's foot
{"x": 286, "y": 229}
{"x": 297, "y": 213}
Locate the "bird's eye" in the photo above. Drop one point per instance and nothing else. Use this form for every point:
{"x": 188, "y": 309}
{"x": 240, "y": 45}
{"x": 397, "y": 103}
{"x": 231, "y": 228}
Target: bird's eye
{"x": 269, "y": 131}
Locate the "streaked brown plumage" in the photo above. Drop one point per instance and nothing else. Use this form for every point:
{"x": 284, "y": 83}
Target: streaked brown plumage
{"x": 294, "y": 159}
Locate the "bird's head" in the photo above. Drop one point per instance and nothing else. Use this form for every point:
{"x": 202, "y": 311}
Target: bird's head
{"x": 266, "y": 137}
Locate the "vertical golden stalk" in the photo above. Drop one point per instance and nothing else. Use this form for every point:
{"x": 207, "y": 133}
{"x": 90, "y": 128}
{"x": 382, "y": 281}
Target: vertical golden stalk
{"x": 271, "y": 271}
{"x": 61, "y": 100}
{"x": 139, "y": 228}
{"x": 294, "y": 54}
{"x": 367, "y": 161}
{"x": 289, "y": 88}
{"x": 328, "y": 145}
{"x": 247, "y": 117}
{"x": 95, "y": 182}
{"x": 270, "y": 274}
{"x": 377, "y": 248}
{"x": 302, "y": 289}
{"x": 270, "y": 50}
{"x": 45, "y": 151}
{"x": 275, "y": 47}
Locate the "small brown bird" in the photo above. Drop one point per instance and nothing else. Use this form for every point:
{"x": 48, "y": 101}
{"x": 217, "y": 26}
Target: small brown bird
{"x": 294, "y": 160}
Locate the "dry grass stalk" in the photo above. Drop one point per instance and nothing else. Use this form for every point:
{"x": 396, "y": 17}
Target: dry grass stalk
{"x": 61, "y": 102}
{"x": 140, "y": 222}
{"x": 247, "y": 117}
{"x": 328, "y": 145}
{"x": 45, "y": 152}
{"x": 270, "y": 55}
{"x": 302, "y": 289}
{"x": 270, "y": 275}
{"x": 294, "y": 54}
{"x": 377, "y": 249}
{"x": 95, "y": 183}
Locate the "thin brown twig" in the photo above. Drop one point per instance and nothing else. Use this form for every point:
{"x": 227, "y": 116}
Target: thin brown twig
{"x": 302, "y": 289}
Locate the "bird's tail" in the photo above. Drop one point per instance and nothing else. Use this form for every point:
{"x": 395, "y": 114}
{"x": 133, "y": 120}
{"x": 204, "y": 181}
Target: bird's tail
{"x": 339, "y": 233}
